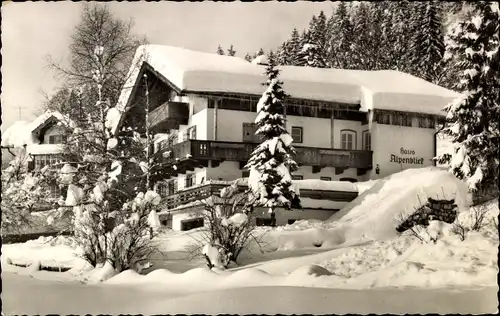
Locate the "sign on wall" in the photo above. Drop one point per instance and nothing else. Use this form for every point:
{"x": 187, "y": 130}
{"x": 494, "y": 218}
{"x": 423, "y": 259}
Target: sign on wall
{"x": 407, "y": 156}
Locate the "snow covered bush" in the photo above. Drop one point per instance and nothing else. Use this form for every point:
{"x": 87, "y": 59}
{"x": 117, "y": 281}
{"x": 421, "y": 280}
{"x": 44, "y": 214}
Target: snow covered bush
{"x": 22, "y": 193}
{"x": 130, "y": 242}
{"x": 271, "y": 162}
{"x": 230, "y": 227}
{"x": 104, "y": 232}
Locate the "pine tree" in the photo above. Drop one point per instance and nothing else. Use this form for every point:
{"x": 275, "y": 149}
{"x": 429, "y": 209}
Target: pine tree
{"x": 248, "y": 57}
{"x": 473, "y": 119}
{"x": 316, "y": 36}
{"x": 428, "y": 45}
{"x": 293, "y": 47}
{"x": 319, "y": 33}
{"x": 283, "y": 55}
{"x": 362, "y": 57}
{"x": 271, "y": 162}
{"x": 341, "y": 38}
{"x": 272, "y": 58}
{"x": 377, "y": 43}
{"x": 220, "y": 51}
{"x": 231, "y": 51}
{"x": 388, "y": 38}
{"x": 404, "y": 29}
{"x": 310, "y": 56}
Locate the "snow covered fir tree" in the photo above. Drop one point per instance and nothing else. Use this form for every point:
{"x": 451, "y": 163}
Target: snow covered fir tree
{"x": 473, "y": 119}
{"x": 271, "y": 162}
{"x": 350, "y": 156}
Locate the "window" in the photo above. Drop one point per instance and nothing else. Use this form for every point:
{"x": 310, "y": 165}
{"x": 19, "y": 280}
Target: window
{"x": 57, "y": 139}
{"x": 170, "y": 187}
{"x": 367, "y": 140}
{"x": 263, "y": 221}
{"x": 211, "y": 103}
{"x": 407, "y": 120}
{"x": 397, "y": 119}
{"x": 190, "y": 180}
{"x": 423, "y": 122}
{"x": 297, "y": 177}
{"x": 230, "y": 104}
{"x": 297, "y": 134}
{"x": 245, "y": 174}
{"x": 191, "y": 224}
{"x": 432, "y": 123}
{"x": 44, "y": 160}
{"x": 162, "y": 189}
{"x": 348, "y": 138}
{"x": 326, "y": 178}
{"x": 291, "y": 221}
{"x": 382, "y": 118}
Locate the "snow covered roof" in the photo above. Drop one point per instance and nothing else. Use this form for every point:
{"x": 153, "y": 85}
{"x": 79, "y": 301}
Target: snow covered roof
{"x": 17, "y": 135}
{"x": 197, "y": 71}
{"x": 21, "y": 132}
{"x": 44, "y": 149}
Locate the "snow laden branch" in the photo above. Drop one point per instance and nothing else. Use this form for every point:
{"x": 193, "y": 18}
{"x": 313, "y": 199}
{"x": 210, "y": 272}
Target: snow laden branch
{"x": 229, "y": 228}
{"x": 24, "y": 192}
{"x": 110, "y": 230}
{"x": 472, "y": 120}
{"x": 271, "y": 162}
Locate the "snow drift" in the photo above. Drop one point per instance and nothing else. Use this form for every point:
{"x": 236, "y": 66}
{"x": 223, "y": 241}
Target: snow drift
{"x": 373, "y": 213}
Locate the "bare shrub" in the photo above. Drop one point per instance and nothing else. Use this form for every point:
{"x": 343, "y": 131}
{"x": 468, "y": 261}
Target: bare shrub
{"x": 478, "y": 215}
{"x": 460, "y": 230}
{"x": 229, "y": 227}
{"x": 477, "y": 222}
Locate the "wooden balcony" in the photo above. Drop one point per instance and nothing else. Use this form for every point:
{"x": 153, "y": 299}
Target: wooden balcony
{"x": 203, "y": 151}
{"x": 169, "y": 116}
{"x": 201, "y": 192}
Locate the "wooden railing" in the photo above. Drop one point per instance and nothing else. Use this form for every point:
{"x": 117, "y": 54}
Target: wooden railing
{"x": 233, "y": 151}
{"x": 201, "y": 192}
{"x": 169, "y": 110}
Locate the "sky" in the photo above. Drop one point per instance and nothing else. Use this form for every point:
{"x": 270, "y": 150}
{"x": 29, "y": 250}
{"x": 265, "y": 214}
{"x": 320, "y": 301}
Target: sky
{"x": 31, "y": 31}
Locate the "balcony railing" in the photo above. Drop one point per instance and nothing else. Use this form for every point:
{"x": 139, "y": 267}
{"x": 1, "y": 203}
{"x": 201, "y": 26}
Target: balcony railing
{"x": 201, "y": 192}
{"x": 232, "y": 151}
{"x": 169, "y": 116}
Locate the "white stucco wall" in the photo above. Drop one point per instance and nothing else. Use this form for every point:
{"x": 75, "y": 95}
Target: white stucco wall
{"x": 402, "y": 142}
{"x": 227, "y": 170}
{"x": 200, "y": 120}
{"x": 230, "y": 124}
{"x": 316, "y": 132}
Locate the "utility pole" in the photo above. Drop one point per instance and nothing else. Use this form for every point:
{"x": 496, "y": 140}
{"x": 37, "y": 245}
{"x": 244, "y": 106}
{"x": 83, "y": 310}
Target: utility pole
{"x": 19, "y": 111}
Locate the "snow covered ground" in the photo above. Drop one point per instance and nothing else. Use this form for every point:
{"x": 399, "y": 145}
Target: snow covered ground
{"x": 24, "y": 295}
{"x": 357, "y": 249}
